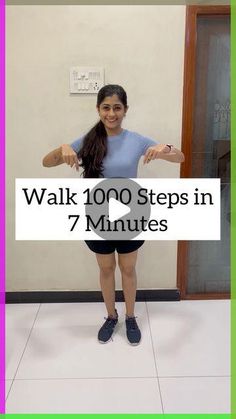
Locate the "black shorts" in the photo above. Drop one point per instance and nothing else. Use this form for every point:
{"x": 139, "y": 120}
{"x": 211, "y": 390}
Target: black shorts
{"x": 109, "y": 246}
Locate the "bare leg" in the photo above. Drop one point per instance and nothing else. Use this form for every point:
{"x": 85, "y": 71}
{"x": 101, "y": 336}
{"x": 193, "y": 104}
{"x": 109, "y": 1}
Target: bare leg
{"x": 127, "y": 264}
{"x": 107, "y": 265}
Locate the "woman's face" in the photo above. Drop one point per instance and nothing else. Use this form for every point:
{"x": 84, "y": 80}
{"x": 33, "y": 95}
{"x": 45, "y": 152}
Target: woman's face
{"x": 112, "y": 112}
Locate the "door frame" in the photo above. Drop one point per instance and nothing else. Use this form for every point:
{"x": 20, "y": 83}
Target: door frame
{"x": 192, "y": 12}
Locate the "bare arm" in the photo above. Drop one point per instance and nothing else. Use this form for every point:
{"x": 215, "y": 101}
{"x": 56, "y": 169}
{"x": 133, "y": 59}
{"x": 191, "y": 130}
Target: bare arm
{"x": 174, "y": 156}
{"x": 54, "y": 158}
{"x": 163, "y": 152}
{"x": 63, "y": 154}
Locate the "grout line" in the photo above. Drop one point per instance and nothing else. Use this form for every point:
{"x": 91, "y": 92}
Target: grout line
{"x": 82, "y": 378}
{"x": 8, "y": 390}
{"x": 13, "y": 379}
{"x": 195, "y": 376}
{"x": 114, "y": 378}
{"x": 158, "y": 381}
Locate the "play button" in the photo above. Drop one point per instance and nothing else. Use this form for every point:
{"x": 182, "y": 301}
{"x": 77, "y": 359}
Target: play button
{"x": 114, "y": 212}
{"x": 117, "y": 209}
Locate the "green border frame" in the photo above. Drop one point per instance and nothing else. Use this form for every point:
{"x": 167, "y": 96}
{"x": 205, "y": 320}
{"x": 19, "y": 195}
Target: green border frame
{"x": 233, "y": 224}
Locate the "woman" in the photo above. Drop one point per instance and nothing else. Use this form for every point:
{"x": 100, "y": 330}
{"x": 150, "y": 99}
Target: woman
{"x": 109, "y": 151}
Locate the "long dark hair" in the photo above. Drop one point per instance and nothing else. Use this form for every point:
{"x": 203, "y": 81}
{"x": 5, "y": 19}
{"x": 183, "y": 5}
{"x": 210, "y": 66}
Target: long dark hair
{"x": 94, "y": 147}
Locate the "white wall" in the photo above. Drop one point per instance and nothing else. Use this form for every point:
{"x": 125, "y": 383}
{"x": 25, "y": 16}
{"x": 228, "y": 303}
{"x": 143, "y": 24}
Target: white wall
{"x": 141, "y": 48}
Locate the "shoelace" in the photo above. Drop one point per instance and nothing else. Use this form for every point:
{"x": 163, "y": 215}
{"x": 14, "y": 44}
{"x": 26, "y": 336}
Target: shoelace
{"x": 109, "y": 322}
{"x": 132, "y": 322}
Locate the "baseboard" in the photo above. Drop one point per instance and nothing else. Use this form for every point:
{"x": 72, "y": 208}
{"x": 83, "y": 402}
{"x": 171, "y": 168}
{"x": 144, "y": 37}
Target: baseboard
{"x": 86, "y": 296}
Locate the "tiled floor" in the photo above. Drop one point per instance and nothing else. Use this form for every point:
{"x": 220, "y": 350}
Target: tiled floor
{"x": 54, "y": 364}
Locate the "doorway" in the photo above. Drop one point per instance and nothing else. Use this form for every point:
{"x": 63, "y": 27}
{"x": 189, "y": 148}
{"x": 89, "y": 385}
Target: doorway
{"x": 204, "y": 266}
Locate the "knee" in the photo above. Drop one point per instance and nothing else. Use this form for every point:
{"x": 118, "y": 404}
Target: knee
{"x": 107, "y": 270}
{"x": 127, "y": 270}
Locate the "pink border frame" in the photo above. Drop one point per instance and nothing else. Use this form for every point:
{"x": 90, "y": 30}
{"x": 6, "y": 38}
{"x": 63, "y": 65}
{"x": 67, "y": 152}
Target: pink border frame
{"x": 2, "y": 207}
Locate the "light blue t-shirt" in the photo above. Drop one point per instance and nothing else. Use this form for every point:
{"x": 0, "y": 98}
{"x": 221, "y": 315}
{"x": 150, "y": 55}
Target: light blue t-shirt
{"x": 123, "y": 153}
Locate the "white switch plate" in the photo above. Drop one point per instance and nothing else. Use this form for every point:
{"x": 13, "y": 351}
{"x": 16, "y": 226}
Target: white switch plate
{"x": 86, "y": 79}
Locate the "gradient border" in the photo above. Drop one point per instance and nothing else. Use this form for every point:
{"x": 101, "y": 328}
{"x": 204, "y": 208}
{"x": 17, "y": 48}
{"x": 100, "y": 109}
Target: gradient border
{"x": 2, "y": 225}
{"x": 2, "y": 206}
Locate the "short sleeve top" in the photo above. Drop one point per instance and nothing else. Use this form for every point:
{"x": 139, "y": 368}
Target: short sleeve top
{"x": 123, "y": 153}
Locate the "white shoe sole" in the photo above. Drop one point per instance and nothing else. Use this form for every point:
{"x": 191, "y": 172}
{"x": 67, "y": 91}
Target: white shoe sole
{"x": 134, "y": 344}
{"x": 102, "y": 342}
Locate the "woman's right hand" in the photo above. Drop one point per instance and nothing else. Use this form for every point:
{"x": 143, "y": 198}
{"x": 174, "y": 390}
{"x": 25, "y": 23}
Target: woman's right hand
{"x": 69, "y": 156}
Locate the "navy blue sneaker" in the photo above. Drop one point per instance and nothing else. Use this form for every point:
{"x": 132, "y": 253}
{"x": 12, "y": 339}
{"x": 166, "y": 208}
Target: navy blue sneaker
{"x": 107, "y": 329}
{"x": 132, "y": 331}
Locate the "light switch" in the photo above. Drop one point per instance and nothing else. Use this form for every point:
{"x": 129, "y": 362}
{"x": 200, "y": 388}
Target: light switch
{"x": 86, "y": 79}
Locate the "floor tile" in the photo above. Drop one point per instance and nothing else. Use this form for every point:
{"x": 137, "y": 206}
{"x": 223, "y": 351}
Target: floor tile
{"x": 191, "y": 338}
{"x": 20, "y": 315}
{"x": 19, "y": 321}
{"x": 65, "y": 364}
{"x": 196, "y": 394}
{"x": 8, "y": 384}
{"x": 63, "y": 344}
{"x": 85, "y": 396}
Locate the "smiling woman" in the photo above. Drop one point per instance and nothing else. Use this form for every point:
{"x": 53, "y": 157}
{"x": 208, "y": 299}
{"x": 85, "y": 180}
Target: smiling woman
{"x": 110, "y": 151}
{"x": 111, "y": 112}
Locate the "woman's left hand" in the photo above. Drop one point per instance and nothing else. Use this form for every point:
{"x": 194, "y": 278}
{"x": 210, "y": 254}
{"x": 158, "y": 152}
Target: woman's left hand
{"x": 155, "y": 152}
